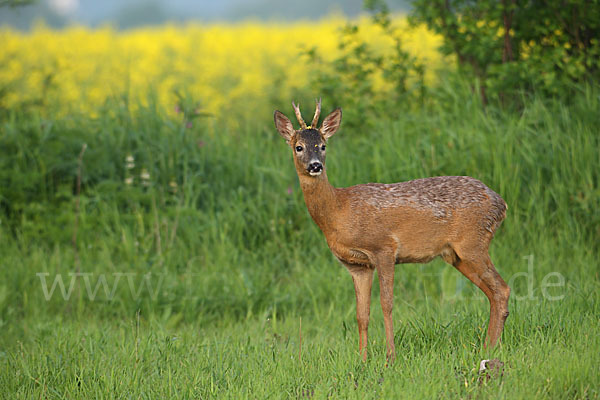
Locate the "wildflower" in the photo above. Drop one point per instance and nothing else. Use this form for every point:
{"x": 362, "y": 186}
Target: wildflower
{"x": 289, "y": 190}
{"x": 129, "y": 181}
{"x": 145, "y": 177}
{"x": 129, "y": 162}
{"x": 189, "y": 124}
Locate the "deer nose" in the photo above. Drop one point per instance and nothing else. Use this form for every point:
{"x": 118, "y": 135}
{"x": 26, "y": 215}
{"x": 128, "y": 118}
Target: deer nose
{"x": 315, "y": 166}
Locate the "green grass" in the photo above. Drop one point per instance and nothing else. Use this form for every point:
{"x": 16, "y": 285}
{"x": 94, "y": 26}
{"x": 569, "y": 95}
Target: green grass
{"x": 220, "y": 285}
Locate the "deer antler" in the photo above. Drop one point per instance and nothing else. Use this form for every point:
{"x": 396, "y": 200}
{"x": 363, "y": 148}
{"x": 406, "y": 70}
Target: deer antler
{"x": 299, "y": 116}
{"x": 315, "y": 120}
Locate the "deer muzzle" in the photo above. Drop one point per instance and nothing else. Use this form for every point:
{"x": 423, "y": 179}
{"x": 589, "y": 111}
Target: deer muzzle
{"x": 315, "y": 168}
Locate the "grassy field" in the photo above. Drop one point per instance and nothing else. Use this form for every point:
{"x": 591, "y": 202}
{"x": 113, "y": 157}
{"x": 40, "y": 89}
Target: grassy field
{"x": 219, "y": 284}
{"x": 188, "y": 266}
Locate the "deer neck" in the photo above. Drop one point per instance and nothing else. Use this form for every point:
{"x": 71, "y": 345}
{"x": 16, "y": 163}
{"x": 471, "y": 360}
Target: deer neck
{"x": 320, "y": 198}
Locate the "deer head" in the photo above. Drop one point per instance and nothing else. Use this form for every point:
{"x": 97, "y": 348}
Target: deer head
{"x": 309, "y": 142}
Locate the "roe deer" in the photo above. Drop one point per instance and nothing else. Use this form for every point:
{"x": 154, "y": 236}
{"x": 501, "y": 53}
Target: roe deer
{"x": 374, "y": 226}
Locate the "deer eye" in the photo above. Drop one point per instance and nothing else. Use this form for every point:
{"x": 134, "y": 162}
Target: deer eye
{"x": 298, "y": 149}
{"x": 323, "y": 148}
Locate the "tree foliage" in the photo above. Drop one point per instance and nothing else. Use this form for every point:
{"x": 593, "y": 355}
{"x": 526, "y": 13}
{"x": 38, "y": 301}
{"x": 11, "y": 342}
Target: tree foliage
{"x": 15, "y": 3}
{"x": 368, "y": 81}
{"x": 518, "y": 44}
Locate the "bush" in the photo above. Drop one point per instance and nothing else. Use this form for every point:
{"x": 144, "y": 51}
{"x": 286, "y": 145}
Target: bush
{"x": 513, "y": 45}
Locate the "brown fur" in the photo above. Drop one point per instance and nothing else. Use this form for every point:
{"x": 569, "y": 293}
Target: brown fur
{"x": 375, "y": 226}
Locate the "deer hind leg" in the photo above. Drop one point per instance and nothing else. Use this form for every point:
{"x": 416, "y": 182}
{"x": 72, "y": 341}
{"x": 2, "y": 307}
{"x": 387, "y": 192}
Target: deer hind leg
{"x": 481, "y": 271}
{"x": 363, "y": 281}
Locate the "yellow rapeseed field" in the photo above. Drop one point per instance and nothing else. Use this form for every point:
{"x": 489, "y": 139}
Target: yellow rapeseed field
{"x": 218, "y": 64}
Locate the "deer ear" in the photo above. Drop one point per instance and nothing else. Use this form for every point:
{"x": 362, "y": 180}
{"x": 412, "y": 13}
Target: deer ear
{"x": 331, "y": 123}
{"x": 284, "y": 126}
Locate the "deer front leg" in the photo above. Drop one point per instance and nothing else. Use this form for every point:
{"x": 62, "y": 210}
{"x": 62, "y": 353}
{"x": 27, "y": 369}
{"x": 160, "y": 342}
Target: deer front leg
{"x": 363, "y": 281}
{"x": 385, "y": 272}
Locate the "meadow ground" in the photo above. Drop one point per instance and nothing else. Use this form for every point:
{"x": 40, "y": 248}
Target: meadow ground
{"x": 188, "y": 266}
